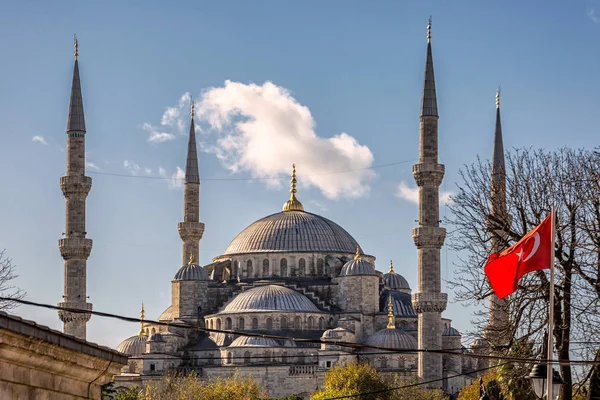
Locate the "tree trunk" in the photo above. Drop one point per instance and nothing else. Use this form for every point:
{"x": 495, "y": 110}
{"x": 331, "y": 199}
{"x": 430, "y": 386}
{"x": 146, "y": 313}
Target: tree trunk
{"x": 594, "y": 393}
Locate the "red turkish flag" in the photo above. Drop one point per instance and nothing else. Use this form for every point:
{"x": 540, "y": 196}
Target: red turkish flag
{"x": 531, "y": 253}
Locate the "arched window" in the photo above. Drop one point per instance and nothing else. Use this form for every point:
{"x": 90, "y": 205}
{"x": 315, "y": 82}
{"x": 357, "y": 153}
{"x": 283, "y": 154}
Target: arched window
{"x": 153, "y": 331}
{"x": 284, "y": 323}
{"x": 320, "y": 267}
{"x": 330, "y": 323}
{"x": 383, "y": 362}
{"x": 229, "y": 357}
{"x": 228, "y": 323}
{"x": 254, "y": 323}
{"x": 132, "y": 366}
{"x": 321, "y": 323}
{"x": 236, "y": 265}
{"x": 210, "y": 324}
{"x": 218, "y": 324}
{"x": 265, "y": 267}
{"x": 241, "y": 323}
{"x": 311, "y": 322}
{"x": 401, "y": 362}
{"x": 247, "y": 357}
{"x": 283, "y": 267}
{"x": 302, "y": 267}
{"x": 297, "y": 323}
{"x": 269, "y": 323}
{"x": 249, "y": 269}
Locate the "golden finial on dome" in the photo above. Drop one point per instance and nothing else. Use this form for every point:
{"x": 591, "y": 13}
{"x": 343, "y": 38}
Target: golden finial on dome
{"x": 293, "y": 204}
{"x": 193, "y": 108}
{"x": 391, "y": 271}
{"x": 191, "y": 261}
{"x": 498, "y": 97}
{"x": 391, "y": 320}
{"x": 357, "y": 255}
{"x": 429, "y": 30}
{"x": 142, "y": 332}
{"x": 76, "y": 47}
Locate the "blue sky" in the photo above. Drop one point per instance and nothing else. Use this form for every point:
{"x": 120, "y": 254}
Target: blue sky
{"x": 355, "y": 66}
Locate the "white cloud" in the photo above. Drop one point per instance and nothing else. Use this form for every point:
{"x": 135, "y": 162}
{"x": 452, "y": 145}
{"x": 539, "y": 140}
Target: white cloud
{"x": 131, "y": 167}
{"x": 591, "y": 13}
{"x": 148, "y": 171}
{"x": 39, "y": 139}
{"x": 411, "y": 194}
{"x": 262, "y": 129}
{"x": 176, "y": 180}
{"x": 91, "y": 165}
{"x": 172, "y": 120}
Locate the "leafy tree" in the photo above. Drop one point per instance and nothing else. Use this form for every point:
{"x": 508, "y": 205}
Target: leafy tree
{"x": 133, "y": 393}
{"x": 353, "y": 378}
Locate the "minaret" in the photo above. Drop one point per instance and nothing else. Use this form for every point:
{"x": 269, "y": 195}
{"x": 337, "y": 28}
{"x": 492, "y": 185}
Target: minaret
{"x": 75, "y": 248}
{"x": 428, "y": 301}
{"x": 191, "y": 229}
{"x": 498, "y": 215}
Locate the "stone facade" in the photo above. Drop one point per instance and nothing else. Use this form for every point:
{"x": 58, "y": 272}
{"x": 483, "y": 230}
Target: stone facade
{"x": 40, "y": 363}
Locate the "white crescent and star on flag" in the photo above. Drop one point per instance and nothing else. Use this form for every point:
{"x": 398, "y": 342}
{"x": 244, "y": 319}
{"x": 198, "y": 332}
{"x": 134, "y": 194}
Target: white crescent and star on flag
{"x": 536, "y": 245}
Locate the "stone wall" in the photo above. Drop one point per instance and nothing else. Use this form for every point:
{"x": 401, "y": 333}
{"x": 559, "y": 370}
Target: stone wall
{"x": 40, "y": 363}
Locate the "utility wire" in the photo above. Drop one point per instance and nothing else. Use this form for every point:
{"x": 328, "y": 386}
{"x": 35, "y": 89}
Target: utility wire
{"x": 302, "y": 340}
{"x": 249, "y": 179}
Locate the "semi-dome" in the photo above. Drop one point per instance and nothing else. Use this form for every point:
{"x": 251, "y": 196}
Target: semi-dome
{"x": 191, "y": 272}
{"x": 270, "y": 298}
{"x": 251, "y": 341}
{"x": 133, "y": 346}
{"x": 357, "y": 266}
{"x": 392, "y": 338}
{"x": 166, "y": 315}
{"x": 292, "y": 231}
{"x": 395, "y": 281}
{"x": 451, "y": 332}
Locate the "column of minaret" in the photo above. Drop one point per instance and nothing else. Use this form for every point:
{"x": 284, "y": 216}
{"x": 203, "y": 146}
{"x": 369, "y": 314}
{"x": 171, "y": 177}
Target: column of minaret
{"x": 191, "y": 229}
{"x": 428, "y": 301}
{"x": 498, "y": 318}
{"x": 75, "y": 248}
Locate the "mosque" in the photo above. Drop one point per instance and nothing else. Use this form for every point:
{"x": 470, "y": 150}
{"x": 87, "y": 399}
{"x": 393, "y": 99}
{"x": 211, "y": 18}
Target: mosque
{"x": 300, "y": 285}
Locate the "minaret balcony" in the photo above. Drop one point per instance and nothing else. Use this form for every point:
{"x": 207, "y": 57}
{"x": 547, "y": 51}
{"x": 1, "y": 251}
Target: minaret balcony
{"x": 429, "y": 302}
{"x": 429, "y": 236}
{"x": 75, "y": 185}
{"x": 428, "y": 174}
{"x": 71, "y": 316}
{"x": 190, "y": 230}
{"x": 75, "y": 248}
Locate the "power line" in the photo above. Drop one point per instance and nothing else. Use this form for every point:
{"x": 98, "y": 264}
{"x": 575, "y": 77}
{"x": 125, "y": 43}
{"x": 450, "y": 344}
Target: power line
{"x": 248, "y": 179}
{"x": 302, "y": 340}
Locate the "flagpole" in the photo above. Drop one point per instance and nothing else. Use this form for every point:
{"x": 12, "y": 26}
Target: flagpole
{"x": 549, "y": 355}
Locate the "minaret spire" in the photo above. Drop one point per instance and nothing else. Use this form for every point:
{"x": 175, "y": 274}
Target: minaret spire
{"x": 75, "y": 248}
{"x": 391, "y": 320}
{"x": 429, "y": 302}
{"x": 191, "y": 229}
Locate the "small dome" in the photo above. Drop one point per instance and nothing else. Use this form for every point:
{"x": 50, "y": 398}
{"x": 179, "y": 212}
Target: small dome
{"x": 451, "y": 332}
{"x": 331, "y": 334}
{"x": 191, "y": 272}
{"x": 250, "y": 341}
{"x": 392, "y": 339}
{"x": 166, "y": 315}
{"x": 156, "y": 337}
{"x": 395, "y": 281}
{"x": 133, "y": 346}
{"x": 270, "y": 298}
{"x": 357, "y": 266}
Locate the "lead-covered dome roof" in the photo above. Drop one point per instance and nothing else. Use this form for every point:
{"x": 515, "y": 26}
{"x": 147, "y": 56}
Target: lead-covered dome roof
{"x": 133, "y": 346}
{"x": 247, "y": 341}
{"x": 292, "y": 231}
{"x": 270, "y": 298}
{"x": 392, "y": 338}
{"x": 357, "y": 266}
{"x": 191, "y": 272}
{"x": 401, "y": 303}
{"x": 395, "y": 281}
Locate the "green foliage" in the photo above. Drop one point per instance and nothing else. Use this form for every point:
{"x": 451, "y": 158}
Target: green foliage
{"x": 131, "y": 394}
{"x": 189, "y": 387}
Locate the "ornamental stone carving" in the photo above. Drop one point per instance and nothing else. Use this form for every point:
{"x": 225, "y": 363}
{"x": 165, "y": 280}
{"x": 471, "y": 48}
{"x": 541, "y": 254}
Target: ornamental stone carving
{"x": 75, "y": 185}
{"x": 429, "y": 236}
{"x": 190, "y": 230}
{"x": 428, "y": 174}
{"x": 75, "y": 248}
{"x": 71, "y": 316}
{"x": 429, "y": 302}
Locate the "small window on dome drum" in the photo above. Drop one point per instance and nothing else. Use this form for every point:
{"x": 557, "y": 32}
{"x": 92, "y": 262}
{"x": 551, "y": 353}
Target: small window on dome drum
{"x": 265, "y": 271}
{"x": 254, "y": 323}
{"x": 320, "y": 266}
{"x": 241, "y": 323}
{"x": 283, "y": 267}
{"x": 269, "y": 323}
{"x": 284, "y": 323}
{"x": 302, "y": 267}
{"x": 249, "y": 269}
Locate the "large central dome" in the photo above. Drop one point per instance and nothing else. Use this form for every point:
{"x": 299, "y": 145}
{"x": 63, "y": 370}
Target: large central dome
{"x": 293, "y": 231}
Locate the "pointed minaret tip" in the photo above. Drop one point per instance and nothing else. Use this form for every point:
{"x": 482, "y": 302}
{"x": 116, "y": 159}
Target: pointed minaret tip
{"x": 142, "y": 332}
{"x": 191, "y": 163}
{"x": 429, "y": 97}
